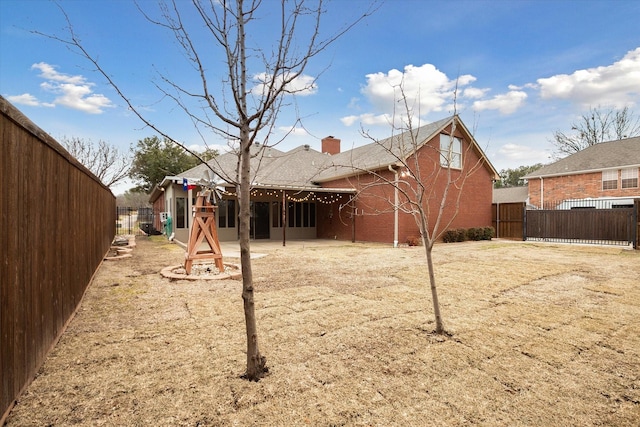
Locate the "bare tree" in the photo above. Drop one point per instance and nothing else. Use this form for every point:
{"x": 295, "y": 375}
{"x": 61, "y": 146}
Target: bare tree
{"x": 134, "y": 199}
{"x": 105, "y": 160}
{"x": 257, "y": 81}
{"x": 596, "y": 126}
{"x": 427, "y": 178}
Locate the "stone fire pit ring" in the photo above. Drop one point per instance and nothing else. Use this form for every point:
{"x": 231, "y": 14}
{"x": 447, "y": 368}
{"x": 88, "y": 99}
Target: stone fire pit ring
{"x": 199, "y": 272}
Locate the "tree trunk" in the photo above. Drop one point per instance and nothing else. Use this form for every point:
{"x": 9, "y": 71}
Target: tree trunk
{"x": 256, "y": 363}
{"x": 434, "y": 291}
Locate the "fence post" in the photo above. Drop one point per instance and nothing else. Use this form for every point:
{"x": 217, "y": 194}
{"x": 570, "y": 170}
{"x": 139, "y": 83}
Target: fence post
{"x": 524, "y": 223}
{"x": 636, "y": 223}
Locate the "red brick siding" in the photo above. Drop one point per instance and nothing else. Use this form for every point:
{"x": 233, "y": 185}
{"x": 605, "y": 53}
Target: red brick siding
{"x": 557, "y": 189}
{"x": 375, "y": 218}
{"x": 332, "y": 222}
{"x": 330, "y": 145}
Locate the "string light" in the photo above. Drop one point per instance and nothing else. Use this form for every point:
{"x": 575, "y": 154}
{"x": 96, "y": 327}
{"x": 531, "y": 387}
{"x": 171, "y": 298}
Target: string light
{"x": 324, "y": 198}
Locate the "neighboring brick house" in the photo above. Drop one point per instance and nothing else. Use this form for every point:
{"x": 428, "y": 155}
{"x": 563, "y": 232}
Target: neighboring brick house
{"x": 607, "y": 171}
{"x": 304, "y": 193}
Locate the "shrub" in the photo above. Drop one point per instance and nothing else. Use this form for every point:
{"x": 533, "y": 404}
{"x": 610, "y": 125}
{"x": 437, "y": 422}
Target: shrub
{"x": 475, "y": 233}
{"x": 450, "y": 236}
{"x": 454, "y": 235}
{"x": 488, "y": 233}
{"x": 413, "y": 241}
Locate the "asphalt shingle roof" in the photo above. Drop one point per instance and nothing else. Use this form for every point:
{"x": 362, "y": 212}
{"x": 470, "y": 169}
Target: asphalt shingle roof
{"x": 270, "y": 167}
{"x": 304, "y": 167}
{"x": 511, "y": 194}
{"x": 377, "y": 155}
{"x": 606, "y": 155}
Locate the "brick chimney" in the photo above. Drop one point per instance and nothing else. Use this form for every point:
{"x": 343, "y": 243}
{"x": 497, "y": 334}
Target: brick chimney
{"x": 330, "y": 145}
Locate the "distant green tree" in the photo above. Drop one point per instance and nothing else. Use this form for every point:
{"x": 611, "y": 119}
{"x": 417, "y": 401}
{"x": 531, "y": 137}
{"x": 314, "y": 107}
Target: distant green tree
{"x": 513, "y": 177}
{"x": 155, "y": 158}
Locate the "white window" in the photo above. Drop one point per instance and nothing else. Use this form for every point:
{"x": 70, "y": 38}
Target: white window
{"x": 609, "y": 180}
{"x": 629, "y": 178}
{"x": 450, "y": 152}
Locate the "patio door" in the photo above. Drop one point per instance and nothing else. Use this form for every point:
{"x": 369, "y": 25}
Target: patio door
{"x": 260, "y": 220}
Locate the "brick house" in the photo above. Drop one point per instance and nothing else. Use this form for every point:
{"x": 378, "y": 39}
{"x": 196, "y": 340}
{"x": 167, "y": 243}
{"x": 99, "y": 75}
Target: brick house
{"x": 306, "y": 194}
{"x": 607, "y": 172}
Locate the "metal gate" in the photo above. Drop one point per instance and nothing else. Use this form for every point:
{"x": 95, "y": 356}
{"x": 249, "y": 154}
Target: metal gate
{"x": 135, "y": 221}
{"x": 617, "y": 226}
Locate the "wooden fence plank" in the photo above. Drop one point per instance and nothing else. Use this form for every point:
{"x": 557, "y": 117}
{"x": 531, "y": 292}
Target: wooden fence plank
{"x": 588, "y": 225}
{"x": 508, "y": 220}
{"x": 57, "y": 222}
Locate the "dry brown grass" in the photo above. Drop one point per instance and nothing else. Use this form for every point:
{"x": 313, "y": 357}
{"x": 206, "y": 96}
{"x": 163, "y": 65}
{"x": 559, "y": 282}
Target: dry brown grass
{"x": 541, "y": 335}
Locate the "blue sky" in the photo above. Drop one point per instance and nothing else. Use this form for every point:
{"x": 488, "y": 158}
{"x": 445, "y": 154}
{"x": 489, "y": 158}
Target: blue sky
{"x": 525, "y": 69}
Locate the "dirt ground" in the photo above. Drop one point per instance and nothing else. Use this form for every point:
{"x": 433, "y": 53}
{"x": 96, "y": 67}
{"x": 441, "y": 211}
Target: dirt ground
{"x": 540, "y": 335}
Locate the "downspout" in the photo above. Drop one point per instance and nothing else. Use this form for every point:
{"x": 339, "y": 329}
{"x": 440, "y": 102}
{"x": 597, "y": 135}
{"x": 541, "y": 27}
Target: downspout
{"x": 395, "y": 206}
{"x": 541, "y": 193}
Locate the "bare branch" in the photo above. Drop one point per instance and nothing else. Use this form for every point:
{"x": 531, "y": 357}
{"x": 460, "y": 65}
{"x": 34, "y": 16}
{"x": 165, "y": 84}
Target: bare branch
{"x": 104, "y": 160}
{"x": 596, "y": 126}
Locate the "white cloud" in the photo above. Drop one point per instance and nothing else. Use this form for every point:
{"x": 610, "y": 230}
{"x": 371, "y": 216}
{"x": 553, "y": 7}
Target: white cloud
{"x": 78, "y": 97}
{"x": 506, "y": 103}
{"x": 303, "y": 85}
{"x": 615, "y": 85}
{"x": 524, "y": 154}
{"x": 426, "y": 88}
{"x": 29, "y": 100}
{"x": 354, "y": 103}
{"x": 73, "y": 92}
{"x": 201, "y": 148}
{"x": 367, "y": 119}
{"x": 48, "y": 72}
{"x": 293, "y": 131}
{"x": 474, "y": 93}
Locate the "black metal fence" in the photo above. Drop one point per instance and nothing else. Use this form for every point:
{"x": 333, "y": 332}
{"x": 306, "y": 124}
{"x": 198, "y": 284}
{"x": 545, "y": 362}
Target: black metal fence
{"x": 136, "y": 221}
{"x": 592, "y": 221}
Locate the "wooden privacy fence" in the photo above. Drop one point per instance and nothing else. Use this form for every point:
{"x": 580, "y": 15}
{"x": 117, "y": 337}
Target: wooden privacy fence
{"x": 508, "y": 220}
{"x": 57, "y": 223}
{"x": 617, "y": 226}
{"x": 606, "y": 226}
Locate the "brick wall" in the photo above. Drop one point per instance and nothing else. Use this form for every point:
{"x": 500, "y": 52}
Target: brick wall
{"x": 333, "y": 222}
{"x": 557, "y": 189}
{"x": 374, "y": 217}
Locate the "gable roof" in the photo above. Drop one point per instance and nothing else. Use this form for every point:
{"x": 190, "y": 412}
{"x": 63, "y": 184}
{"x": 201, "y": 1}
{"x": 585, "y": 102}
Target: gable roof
{"x": 605, "y": 155}
{"x": 304, "y": 168}
{"x": 387, "y": 152}
{"x": 270, "y": 168}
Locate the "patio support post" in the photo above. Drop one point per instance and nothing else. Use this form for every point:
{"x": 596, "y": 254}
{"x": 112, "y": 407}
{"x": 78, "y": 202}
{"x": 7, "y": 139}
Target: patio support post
{"x": 284, "y": 219}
